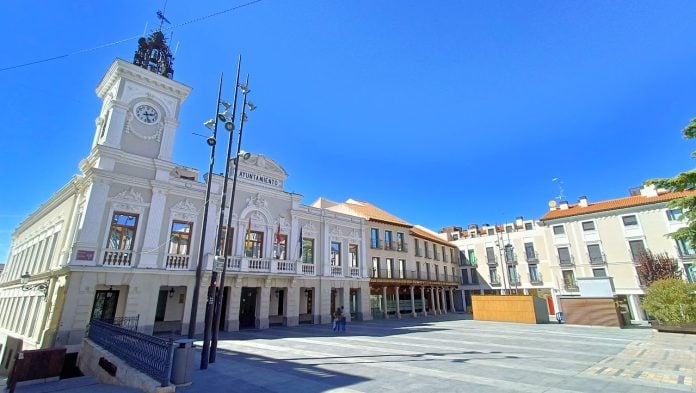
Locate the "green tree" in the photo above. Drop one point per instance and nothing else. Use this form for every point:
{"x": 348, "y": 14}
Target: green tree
{"x": 671, "y": 301}
{"x": 684, "y": 181}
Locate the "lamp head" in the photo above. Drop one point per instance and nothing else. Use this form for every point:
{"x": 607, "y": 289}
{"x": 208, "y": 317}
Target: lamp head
{"x": 24, "y": 278}
{"x": 209, "y": 124}
{"x": 225, "y": 104}
{"x": 210, "y": 141}
{"x": 251, "y": 106}
{"x": 229, "y": 126}
{"x": 245, "y": 89}
{"x": 244, "y": 154}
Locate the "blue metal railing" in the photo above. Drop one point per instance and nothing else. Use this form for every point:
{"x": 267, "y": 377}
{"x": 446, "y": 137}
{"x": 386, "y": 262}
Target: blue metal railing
{"x": 149, "y": 354}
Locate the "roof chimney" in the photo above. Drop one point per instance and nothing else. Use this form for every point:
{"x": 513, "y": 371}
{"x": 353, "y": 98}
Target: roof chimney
{"x": 564, "y": 205}
{"x": 582, "y": 201}
{"x": 648, "y": 190}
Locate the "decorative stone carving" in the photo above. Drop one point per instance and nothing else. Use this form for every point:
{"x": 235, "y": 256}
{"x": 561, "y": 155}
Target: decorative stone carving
{"x": 157, "y": 136}
{"x": 130, "y": 195}
{"x": 129, "y": 200}
{"x": 258, "y": 200}
{"x": 309, "y": 228}
{"x": 184, "y": 210}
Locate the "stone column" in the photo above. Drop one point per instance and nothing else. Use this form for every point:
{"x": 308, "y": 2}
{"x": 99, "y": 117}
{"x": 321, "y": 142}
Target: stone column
{"x": 443, "y": 301}
{"x": 384, "y": 300}
{"x": 413, "y": 303}
{"x": 433, "y": 299}
{"x": 262, "y": 304}
{"x": 154, "y": 255}
{"x": 424, "y": 302}
{"x": 398, "y": 306}
{"x": 233, "y": 306}
{"x": 292, "y": 306}
{"x": 451, "y": 296}
{"x": 346, "y": 303}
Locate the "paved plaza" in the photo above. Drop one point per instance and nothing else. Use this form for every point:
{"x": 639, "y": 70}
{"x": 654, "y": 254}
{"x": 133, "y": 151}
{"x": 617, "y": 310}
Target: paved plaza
{"x": 449, "y": 354}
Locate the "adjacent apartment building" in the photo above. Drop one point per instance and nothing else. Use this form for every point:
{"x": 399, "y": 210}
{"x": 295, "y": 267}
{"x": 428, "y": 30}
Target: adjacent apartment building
{"x": 412, "y": 270}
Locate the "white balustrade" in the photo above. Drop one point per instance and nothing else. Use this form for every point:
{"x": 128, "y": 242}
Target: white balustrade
{"x": 336, "y": 271}
{"x": 177, "y": 262}
{"x": 117, "y": 258}
{"x": 355, "y": 272}
{"x": 308, "y": 269}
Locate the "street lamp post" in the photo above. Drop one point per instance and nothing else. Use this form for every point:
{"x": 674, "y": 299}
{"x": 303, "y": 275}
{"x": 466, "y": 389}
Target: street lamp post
{"x": 201, "y": 249}
{"x": 240, "y": 153}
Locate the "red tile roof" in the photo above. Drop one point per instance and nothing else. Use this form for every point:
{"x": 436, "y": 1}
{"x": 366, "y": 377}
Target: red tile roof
{"x": 373, "y": 213}
{"x": 415, "y": 231}
{"x": 612, "y": 204}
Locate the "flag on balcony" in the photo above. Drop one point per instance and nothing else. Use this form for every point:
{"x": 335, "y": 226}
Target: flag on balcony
{"x": 247, "y": 243}
{"x": 278, "y": 239}
{"x": 300, "y": 241}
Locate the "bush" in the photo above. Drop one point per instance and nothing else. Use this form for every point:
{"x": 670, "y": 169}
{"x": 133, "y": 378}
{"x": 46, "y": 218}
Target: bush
{"x": 671, "y": 301}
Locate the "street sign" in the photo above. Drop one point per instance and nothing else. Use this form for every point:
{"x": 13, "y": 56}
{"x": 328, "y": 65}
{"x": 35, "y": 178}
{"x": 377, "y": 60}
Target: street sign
{"x": 218, "y": 264}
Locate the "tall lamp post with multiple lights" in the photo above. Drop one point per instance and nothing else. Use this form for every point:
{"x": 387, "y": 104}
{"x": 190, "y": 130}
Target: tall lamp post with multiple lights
{"x": 206, "y": 203}
{"x": 240, "y": 154}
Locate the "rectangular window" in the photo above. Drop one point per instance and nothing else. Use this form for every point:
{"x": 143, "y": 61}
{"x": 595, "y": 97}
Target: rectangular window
{"x": 427, "y": 270}
{"x": 427, "y": 249}
{"x": 221, "y": 239}
{"x": 335, "y": 254}
{"x": 474, "y": 276}
{"x": 353, "y": 250}
{"x": 493, "y": 273}
{"x": 444, "y": 259}
{"x": 374, "y": 238}
{"x": 307, "y": 250}
{"x": 564, "y": 256}
{"x": 435, "y": 254}
{"x": 530, "y": 252}
{"x": 512, "y": 274}
{"x": 490, "y": 255}
{"x": 674, "y": 214}
{"x": 437, "y": 272}
{"x": 180, "y": 238}
{"x": 685, "y": 249}
{"x": 122, "y": 232}
{"x": 508, "y": 228}
{"x": 491, "y": 231}
{"x": 418, "y": 272}
{"x": 588, "y": 226}
{"x": 390, "y": 267}
{"x": 400, "y": 242}
{"x": 599, "y": 272}
{"x": 637, "y": 247}
{"x": 629, "y": 221}
{"x": 595, "y": 253}
{"x": 416, "y": 243}
{"x": 375, "y": 267}
{"x": 280, "y": 246}
{"x": 254, "y": 244}
{"x": 528, "y": 226}
{"x": 558, "y": 230}
{"x": 388, "y": 240}
{"x": 534, "y": 275}
{"x": 472, "y": 257}
{"x": 402, "y": 268}
{"x": 455, "y": 236}
{"x": 569, "y": 279}
{"x": 465, "y": 277}
{"x": 690, "y": 271}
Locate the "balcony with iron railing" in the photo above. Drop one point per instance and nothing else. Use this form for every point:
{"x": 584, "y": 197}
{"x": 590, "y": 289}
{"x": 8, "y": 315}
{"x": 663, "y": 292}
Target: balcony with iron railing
{"x": 419, "y": 252}
{"x": 510, "y": 258}
{"x": 401, "y": 247}
{"x": 376, "y": 244}
{"x": 515, "y": 280}
{"x": 468, "y": 262}
{"x": 492, "y": 260}
{"x": 436, "y": 255}
{"x": 566, "y": 261}
{"x": 536, "y": 278}
{"x": 410, "y": 276}
{"x": 495, "y": 282}
{"x": 600, "y": 259}
{"x": 571, "y": 286}
{"x": 389, "y": 245}
{"x": 531, "y": 256}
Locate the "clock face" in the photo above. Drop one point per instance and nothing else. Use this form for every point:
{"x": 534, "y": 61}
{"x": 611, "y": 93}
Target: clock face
{"x": 146, "y": 113}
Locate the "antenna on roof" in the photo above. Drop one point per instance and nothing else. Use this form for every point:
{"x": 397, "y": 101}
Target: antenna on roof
{"x": 558, "y": 181}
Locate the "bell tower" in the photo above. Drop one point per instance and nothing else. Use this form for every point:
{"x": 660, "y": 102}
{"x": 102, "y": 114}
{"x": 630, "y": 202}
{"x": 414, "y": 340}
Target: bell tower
{"x": 141, "y": 102}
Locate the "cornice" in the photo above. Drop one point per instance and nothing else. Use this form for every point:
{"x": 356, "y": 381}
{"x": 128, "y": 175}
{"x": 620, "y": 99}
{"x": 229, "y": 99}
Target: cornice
{"x": 120, "y": 68}
{"x": 72, "y": 188}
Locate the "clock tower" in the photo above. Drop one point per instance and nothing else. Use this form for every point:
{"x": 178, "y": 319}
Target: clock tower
{"x": 141, "y": 102}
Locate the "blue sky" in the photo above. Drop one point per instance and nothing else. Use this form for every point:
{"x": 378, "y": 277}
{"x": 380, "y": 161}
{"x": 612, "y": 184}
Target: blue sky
{"x": 442, "y": 113}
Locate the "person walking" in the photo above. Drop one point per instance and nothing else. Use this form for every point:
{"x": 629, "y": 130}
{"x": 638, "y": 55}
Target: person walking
{"x": 342, "y": 321}
{"x": 337, "y": 319}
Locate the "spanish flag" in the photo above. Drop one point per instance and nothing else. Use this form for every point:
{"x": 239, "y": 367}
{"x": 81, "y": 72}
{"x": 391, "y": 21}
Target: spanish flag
{"x": 247, "y": 243}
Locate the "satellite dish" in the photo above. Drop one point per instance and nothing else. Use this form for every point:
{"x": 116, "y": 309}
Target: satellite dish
{"x": 552, "y": 203}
